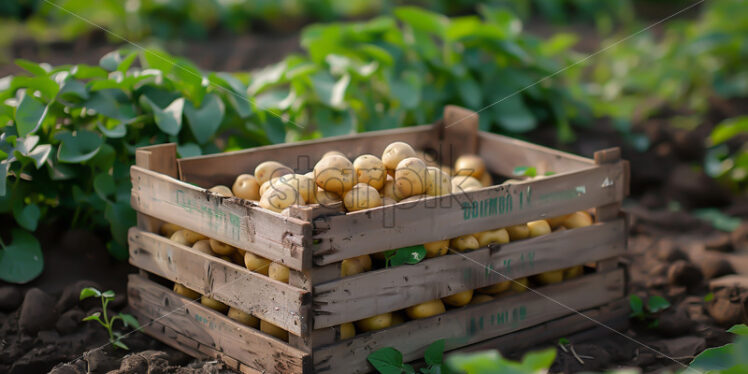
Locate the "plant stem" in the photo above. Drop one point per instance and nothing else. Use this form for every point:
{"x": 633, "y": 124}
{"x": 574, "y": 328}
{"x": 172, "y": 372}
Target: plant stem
{"x": 2, "y": 243}
{"x": 108, "y": 326}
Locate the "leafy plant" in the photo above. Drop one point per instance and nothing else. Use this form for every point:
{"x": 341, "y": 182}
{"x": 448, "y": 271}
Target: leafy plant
{"x": 103, "y": 319}
{"x": 492, "y": 362}
{"x": 389, "y": 360}
{"x": 730, "y": 358}
{"x": 655, "y": 304}
{"x": 406, "y": 255}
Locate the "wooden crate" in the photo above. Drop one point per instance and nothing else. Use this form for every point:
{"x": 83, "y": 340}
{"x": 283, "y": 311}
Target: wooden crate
{"x": 312, "y": 240}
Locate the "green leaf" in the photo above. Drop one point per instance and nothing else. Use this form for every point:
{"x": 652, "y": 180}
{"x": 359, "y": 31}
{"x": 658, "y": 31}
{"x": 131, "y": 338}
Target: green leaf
{"x": 204, "y": 121}
{"x": 103, "y": 184}
{"x": 332, "y": 123}
{"x": 274, "y": 128}
{"x": 512, "y": 114}
{"x": 539, "y": 361}
{"x": 129, "y": 321}
{"x": 92, "y": 317}
{"x": 407, "y": 90}
{"x": 118, "y": 131}
{"x": 728, "y": 129}
{"x": 120, "y": 345}
{"x": 189, "y": 150}
{"x": 107, "y": 103}
{"x": 740, "y": 329}
{"x": 720, "y": 358}
{"x": 26, "y": 216}
{"x": 109, "y": 294}
{"x": 525, "y": 171}
{"x": 423, "y": 20}
{"x": 434, "y": 354}
{"x": 73, "y": 90}
{"x": 47, "y": 87}
{"x": 408, "y": 255}
{"x": 157, "y": 59}
{"x": 330, "y": 91}
{"x": 31, "y": 67}
{"x": 709, "y": 297}
{"x": 39, "y": 155}
{"x": 657, "y": 303}
{"x": 169, "y": 120}
{"x": 29, "y": 115}
{"x": 22, "y": 260}
{"x": 478, "y": 363}
{"x": 121, "y": 217}
{"x": 470, "y": 92}
{"x": 127, "y": 62}
{"x": 89, "y": 292}
{"x": 77, "y": 147}
{"x": 111, "y": 60}
{"x": 4, "y": 167}
{"x": 88, "y": 72}
{"x": 637, "y": 306}
{"x": 117, "y": 250}
{"x": 386, "y": 360}
{"x": 718, "y": 219}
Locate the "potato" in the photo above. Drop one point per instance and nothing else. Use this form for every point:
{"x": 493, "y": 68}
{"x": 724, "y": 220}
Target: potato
{"x": 333, "y": 153}
{"x": 437, "y": 182}
{"x": 256, "y": 263}
{"x": 351, "y": 266}
{"x": 361, "y": 196}
{"x": 214, "y": 304}
{"x": 335, "y": 174}
{"x": 577, "y": 220}
{"x": 273, "y": 330}
{"x": 512, "y": 181}
{"x": 246, "y": 187}
{"x": 269, "y": 170}
{"x": 557, "y": 222}
{"x": 481, "y": 298}
{"x": 221, "y": 248}
{"x": 387, "y": 201}
{"x": 414, "y": 198}
{"x": 280, "y": 196}
{"x": 168, "y": 229}
{"x": 187, "y": 237}
{"x": 325, "y": 198}
{"x": 470, "y": 165}
{"x": 410, "y": 177}
{"x": 549, "y": 277}
{"x": 396, "y": 152}
{"x": 204, "y": 247}
{"x": 447, "y": 170}
{"x": 238, "y": 257}
{"x": 180, "y": 289}
{"x": 425, "y": 310}
{"x": 438, "y": 248}
{"x": 519, "y": 285}
{"x": 573, "y": 272}
{"x": 370, "y": 170}
{"x": 486, "y": 180}
{"x": 373, "y": 323}
{"x": 278, "y": 272}
{"x": 299, "y": 182}
{"x": 243, "y": 318}
{"x": 464, "y": 243}
{"x": 398, "y": 318}
{"x": 538, "y": 228}
{"x": 462, "y": 183}
{"x": 459, "y": 299}
{"x": 518, "y": 232}
{"x": 498, "y": 236}
{"x": 221, "y": 190}
{"x": 496, "y": 288}
{"x": 365, "y": 261}
{"x": 388, "y": 190}
{"x": 347, "y": 331}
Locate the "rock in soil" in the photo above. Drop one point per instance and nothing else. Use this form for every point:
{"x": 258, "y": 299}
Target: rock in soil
{"x": 10, "y": 298}
{"x": 713, "y": 266}
{"x": 683, "y": 273}
{"x": 668, "y": 251}
{"x": 68, "y": 369}
{"x": 720, "y": 242}
{"x": 685, "y": 346}
{"x": 69, "y": 321}
{"x": 37, "y": 312}
{"x": 71, "y": 296}
{"x": 727, "y": 308}
{"x": 739, "y": 238}
{"x": 101, "y": 360}
{"x": 674, "y": 322}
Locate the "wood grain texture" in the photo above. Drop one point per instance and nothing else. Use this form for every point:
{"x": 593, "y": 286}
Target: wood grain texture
{"x": 363, "y": 295}
{"x": 162, "y": 159}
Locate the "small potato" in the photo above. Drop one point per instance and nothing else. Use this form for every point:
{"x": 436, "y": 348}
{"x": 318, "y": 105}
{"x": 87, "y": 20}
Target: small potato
{"x": 438, "y": 182}
{"x": 181, "y": 290}
{"x": 549, "y": 277}
{"x": 577, "y": 220}
{"x": 333, "y": 153}
{"x": 168, "y": 229}
{"x": 480, "y": 299}
{"x": 264, "y": 187}
{"x": 498, "y": 236}
{"x": 214, "y": 304}
{"x": 370, "y": 170}
{"x": 221, "y": 248}
{"x": 425, "y": 310}
{"x": 301, "y": 183}
{"x": 486, "y": 180}
{"x": 414, "y": 198}
{"x": 278, "y": 272}
{"x": 573, "y": 272}
{"x": 373, "y": 323}
{"x": 347, "y": 331}
{"x": 388, "y": 201}
{"x": 243, "y": 318}
{"x": 519, "y": 285}
{"x": 365, "y": 261}
{"x": 470, "y": 165}
{"x": 351, "y": 266}
{"x": 518, "y": 232}
{"x": 246, "y": 187}
{"x": 269, "y": 170}
{"x": 447, "y": 170}
{"x": 335, "y": 174}
{"x": 396, "y": 152}
{"x": 464, "y": 243}
{"x": 256, "y": 263}
{"x": 410, "y": 177}
{"x": 557, "y": 222}
{"x": 204, "y": 247}
{"x": 361, "y": 196}
{"x": 310, "y": 175}
{"x": 325, "y": 198}
{"x": 496, "y": 288}
{"x": 273, "y": 330}
{"x": 221, "y": 190}
{"x": 187, "y": 237}
{"x": 388, "y": 190}
{"x": 463, "y": 183}
{"x": 438, "y": 248}
{"x": 280, "y": 196}
{"x": 538, "y": 228}
{"x": 459, "y": 299}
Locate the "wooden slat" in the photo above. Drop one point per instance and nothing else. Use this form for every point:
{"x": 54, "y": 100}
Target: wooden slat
{"x": 443, "y": 217}
{"x": 231, "y": 220}
{"x": 228, "y": 283}
{"x": 611, "y": 211}
{"x": 169, "y": 337}
{"x": 212, "y": 329}
{"x": 162, "y": 159}
{"x": 363, "y": 295}
{"x": 474, "y": 323}
{"x": 458, "y": 134}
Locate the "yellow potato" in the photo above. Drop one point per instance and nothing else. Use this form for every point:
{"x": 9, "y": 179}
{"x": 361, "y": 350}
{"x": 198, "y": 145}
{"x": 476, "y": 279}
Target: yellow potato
{"x": 280, "y": 196}
{"x": 351, "y": 266}
{"x": 462, "y": 183}
{"x": 333, "y": 153}
{"x": 361, "y": 196}
{"x": 519, "y": 285}
{"x": 464, "y": 243}
{"x": 370, "y": 170}
{"x": 347, "y": 331}
{"x": 498, "y": 236}
{"x": 486, "y": 180}
{"x": 273, "y": 330}
{"x": 214, "y": 304}
{"x": 427, "y": 157}
{"x": 447, "y": 170}
{"x": 302, "y": 184}
{"x": 459, "y": 299}
{"x": 573, "y": 272}
{"x": 425, "y": 310}
{"x": 180, "y": 289}
{"x": 481, "y": 298}
{"x": 577, "y": 220}
{"x": 387, "y": 201}
{"x": 549, "y": 277}
{"x": 518, "y": 232}
{"x": 414, "y": 198}
{"x": 538, "y": 228}
{"x": 264, "y": 187}
{"x": 471, "y": 165}
{"x": 221, "y": 190}
{"x": 388, "y": 190}
{"x": 278, "y": 272}
{"x": 365, "y": 261}
{"x": 410, "y": 177}
{"x": 438, "y": 248}
{"x": 168, "y": 229}
{"x": 204, "y": 247}
{"x": 438, "y": 182}
{"x": 187, "y": 237}
{"x": 556, "y": 222}
{"x": 221, "y": 248}
{"x": 246, "y": 187}
{"x": 335, "y": 174}
{"x": 269, "y": 170}
{"x": 325, "y": 198}
{"x": 398, "y": 318}
{"x": 243, "y": 318}
{"x": 378, "y": 322}
{"x": 256, "y": 263}
{"x": 396, "y": 152}
{"x": 496, "y": 288}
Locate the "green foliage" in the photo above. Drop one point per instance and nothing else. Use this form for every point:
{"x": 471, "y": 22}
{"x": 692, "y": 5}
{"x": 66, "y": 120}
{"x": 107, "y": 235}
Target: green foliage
{"x": 389, "y": 360}
{"x": 730, "y": 358}
{"x": 648, "y": 313}
{"x": 115, "y": 337}
{"x": 21, "y": 260}
{"x": 719, "y": 220}
{"x": 492, "y": 362}
{"x": 727, "y": 160}
{"x": 406, "y": 255}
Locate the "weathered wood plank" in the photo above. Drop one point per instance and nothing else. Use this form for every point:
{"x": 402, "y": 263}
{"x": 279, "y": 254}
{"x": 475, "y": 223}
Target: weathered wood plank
{"x": 471, "y": 324}
{"x": 162, "y": 159}
{"x": 228, "y": 283}
{"x": 363, "y": 295}
{"x": 210, "y": 328}
{"x": 231, "y": 220}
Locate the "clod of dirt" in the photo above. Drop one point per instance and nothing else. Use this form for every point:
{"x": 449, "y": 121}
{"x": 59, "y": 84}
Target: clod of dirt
{"x": 739, "y": 238}
{"x": 71, "y": 296}
{"x": 656, "y": 282}
{"x": 683, "y": 273}
{"x": 694, "y": 188}
{"x": 67, "y": 369}
{"x": 659, "y": 270}
{"x": 101, "y": 360}
{"x": 685, "y": 346}
{"x": 668, "y": 251}
{"x": 10, "y": 298}
{"x": 713, "y": 266}
{"x": 720, "y": 242}
{"x": 69, "y": 321}
{"x": 674, "y": 322}
{"x": 727, "y": 308}
{"x": 37, "y": 312}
